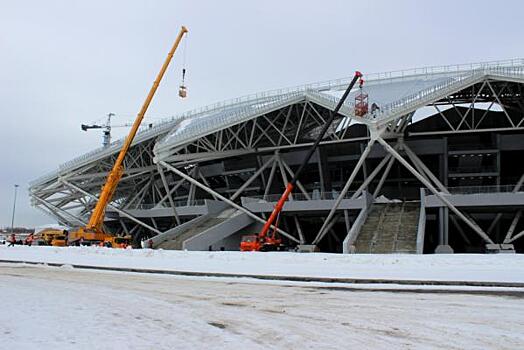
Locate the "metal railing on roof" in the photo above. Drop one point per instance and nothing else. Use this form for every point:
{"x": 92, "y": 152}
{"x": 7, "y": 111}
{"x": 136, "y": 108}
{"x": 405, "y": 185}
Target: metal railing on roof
{"x": 447, "y": 86}
{"x": 50, "y": 175}
{"x": 510, "y": 67}
{"x": 220, "y": 120}
{"x": 160, "y": 127}
{"x": 455, "y": 69}
{"x": 444, "y": 69}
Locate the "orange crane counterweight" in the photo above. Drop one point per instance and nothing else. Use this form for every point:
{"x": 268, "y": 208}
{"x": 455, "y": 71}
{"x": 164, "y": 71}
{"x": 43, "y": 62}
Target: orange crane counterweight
{"x": 93, "y": 231}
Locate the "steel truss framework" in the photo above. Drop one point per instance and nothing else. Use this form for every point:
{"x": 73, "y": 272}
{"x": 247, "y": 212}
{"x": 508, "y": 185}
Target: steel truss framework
{"x": 255, "y": 157}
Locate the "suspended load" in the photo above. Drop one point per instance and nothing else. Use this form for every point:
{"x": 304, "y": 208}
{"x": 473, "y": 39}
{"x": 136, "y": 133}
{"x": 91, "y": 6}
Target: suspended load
{"x": 182, "y": 91}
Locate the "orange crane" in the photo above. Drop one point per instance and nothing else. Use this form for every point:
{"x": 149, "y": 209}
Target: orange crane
{"x": 265, "y": 240}
{"x": 93, "y": 232}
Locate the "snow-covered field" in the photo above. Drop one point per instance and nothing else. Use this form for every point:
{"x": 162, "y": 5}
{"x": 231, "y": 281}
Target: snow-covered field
{"x": 64, "y": 308}
{"x": 67, "y": 308}
{"x": 465, "y": 267}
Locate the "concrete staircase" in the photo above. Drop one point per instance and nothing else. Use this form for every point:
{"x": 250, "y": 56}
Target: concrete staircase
{"x": 178, "y": 241}
{"x": 389, "y": 228}
{"x": 200, "y": 233}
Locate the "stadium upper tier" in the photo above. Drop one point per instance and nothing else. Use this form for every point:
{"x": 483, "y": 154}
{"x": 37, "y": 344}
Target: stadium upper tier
{"x": 395, "y": 93}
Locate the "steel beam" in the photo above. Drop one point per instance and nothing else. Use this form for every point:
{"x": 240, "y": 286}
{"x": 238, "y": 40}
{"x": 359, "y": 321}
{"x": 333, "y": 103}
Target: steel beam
{"x": 459, "y": 229}
{"x": 383, "y": 178}
{"x": 51, "y": 206}
{"x": 371, "y": 176}
{"x": 118, "y": 210}
{"x": 271, "y": 176}
{"x": 224, "y": 199}
{"x": 430, "y": 186}
{"x": 513, "y": 226}
{"x": 176, "y": 187}
{"x": 323, "y": 230}
{"x": 166, "y": 187}
{"x": 501, "y": 105}
{"x": 252, "y": 178}
{"x": 299, "y": 184}
{"x": 299, "y": 230}
{"x": 517, "y": 236}
{"x": 425, "y": 170}
{"x": 283, "y": 174}
{"x": 457, "y": 132}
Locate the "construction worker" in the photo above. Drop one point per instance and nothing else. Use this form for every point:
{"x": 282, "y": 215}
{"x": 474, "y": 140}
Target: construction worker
{"x": 29, "y": 239}
{"x": 12, "y": 240}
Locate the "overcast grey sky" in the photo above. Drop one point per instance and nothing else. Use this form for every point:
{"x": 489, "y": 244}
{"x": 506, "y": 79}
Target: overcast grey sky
{"x": 63, "y": 63}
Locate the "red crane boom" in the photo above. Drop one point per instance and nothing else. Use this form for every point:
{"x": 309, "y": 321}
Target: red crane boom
{"x": 265, "y": 241}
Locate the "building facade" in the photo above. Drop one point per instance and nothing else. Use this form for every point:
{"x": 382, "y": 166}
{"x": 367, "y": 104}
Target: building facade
{"x": 435, "y": 165}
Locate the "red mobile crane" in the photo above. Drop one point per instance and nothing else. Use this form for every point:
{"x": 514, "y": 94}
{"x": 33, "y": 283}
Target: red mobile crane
{"x": 266, "y": 241}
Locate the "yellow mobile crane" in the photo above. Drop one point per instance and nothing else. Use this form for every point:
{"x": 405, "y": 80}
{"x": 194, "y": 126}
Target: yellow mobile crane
{"x": 93, "y": 232}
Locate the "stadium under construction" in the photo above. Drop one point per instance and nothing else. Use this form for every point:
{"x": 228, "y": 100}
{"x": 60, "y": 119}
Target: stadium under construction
{"x": 435, "y": 165}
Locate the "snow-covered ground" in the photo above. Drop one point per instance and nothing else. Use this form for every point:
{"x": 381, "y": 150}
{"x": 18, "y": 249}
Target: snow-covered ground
{"x": 465, "y": 267}
{"x": 65, "y": 308}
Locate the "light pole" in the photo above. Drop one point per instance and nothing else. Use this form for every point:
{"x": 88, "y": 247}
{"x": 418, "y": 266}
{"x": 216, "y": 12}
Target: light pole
{"x": 14, "y": 208}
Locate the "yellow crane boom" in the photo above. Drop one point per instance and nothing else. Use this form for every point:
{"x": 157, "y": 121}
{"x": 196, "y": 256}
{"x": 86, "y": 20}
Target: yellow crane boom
{"x": 93, "y": 231}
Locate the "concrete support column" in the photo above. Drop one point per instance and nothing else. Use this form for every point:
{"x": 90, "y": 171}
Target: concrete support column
{"x": 498, "y": 159}
{"x": 421, "y": 227}
{"x": 445, "y": 158}
{"x": 323, "y": 164}
{"x": 443, "y": 214}
{"x": 320, "y": 171}
{"x": 364, "y": 167}
{"x": 443, "y": 232}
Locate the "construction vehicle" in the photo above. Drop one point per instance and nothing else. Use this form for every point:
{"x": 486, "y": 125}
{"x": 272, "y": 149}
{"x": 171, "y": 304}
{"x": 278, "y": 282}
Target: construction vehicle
{"x": 93, "y": 232}
{"x": 52, "y": 236}
{"x": 48, "y": 234}
{"x": 251, "y": 243}
{"x": 117, "y": 242}
{"x": 59, "y": 241}
{"x": 106, "y": 141}
{"x": 268, "y": 241}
